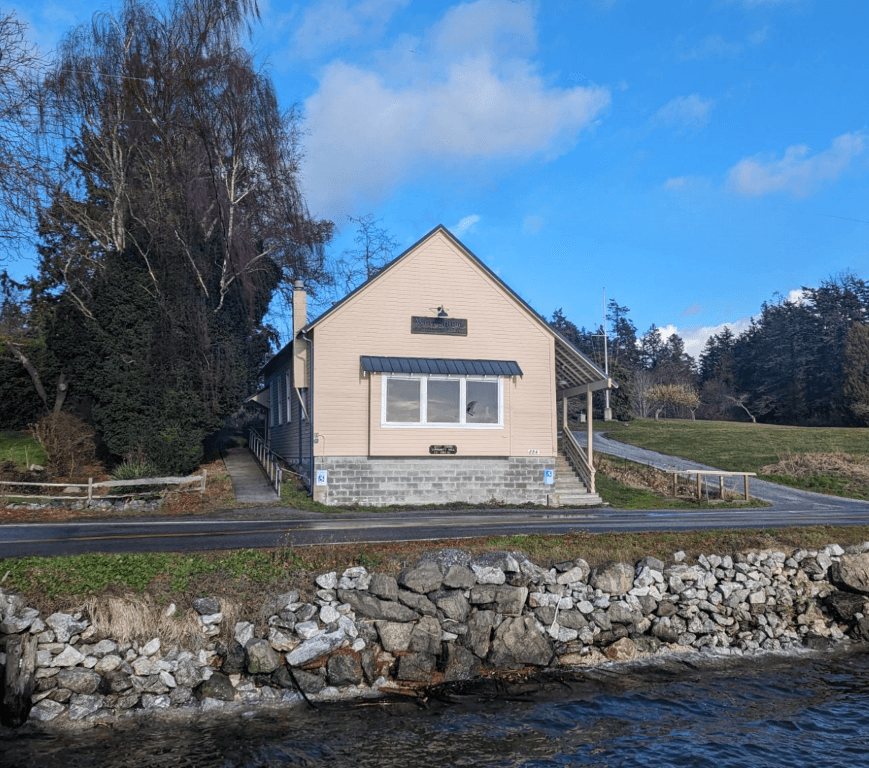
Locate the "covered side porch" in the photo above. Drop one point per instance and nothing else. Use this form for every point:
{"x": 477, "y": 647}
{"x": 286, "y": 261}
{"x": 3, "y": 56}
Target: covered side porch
{"x": 577, "y": 376}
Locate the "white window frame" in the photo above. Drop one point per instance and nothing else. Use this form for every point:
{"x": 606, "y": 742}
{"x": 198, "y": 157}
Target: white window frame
{"x": 423, "y": 404}
{"x": 288, "y": 382}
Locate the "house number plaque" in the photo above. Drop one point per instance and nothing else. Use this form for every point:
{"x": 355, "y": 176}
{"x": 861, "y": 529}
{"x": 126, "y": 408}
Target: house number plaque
{"x": 441, "y": 449}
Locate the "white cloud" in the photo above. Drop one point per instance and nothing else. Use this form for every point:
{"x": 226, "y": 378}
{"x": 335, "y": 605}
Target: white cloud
{"x": 465, "y": 224}
{"x": 465, "y": 94}
{"x": 328, "y": 24}
{"x": 695, "y": 337}
{"x": 796, "y": 173}
{"x": 686, "y": 112}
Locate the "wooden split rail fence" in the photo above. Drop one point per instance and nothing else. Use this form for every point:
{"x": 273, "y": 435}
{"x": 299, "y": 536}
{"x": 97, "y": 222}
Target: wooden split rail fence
{"x": 87, "y": 489}
{"x": 715, "y": 473}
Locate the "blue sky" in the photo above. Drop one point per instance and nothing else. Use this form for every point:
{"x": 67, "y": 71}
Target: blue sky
{"x": 693, "y": 158}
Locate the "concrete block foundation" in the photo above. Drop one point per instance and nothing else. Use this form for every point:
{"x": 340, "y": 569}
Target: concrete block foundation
{"x": 382, "y": 481}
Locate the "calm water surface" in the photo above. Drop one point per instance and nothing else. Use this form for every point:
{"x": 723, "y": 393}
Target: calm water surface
{"x": 796, "y": 711}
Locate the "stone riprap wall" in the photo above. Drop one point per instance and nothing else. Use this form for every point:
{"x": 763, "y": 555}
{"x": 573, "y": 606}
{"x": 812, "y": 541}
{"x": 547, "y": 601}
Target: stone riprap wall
{"x": 451, "y": 617}
{"x": 471, "y": 480}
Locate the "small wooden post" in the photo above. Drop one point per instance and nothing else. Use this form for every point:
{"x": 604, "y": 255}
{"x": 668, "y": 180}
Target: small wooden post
{"x": 745, "y": 479}
{"x": 675, "y": 484}
{"x": 721, "y": 486}
{"x": 699, "y": 490}
{"x": 202, "y": 484}
{"x": 90, "y": 490}
{"x": 590, "y": 432}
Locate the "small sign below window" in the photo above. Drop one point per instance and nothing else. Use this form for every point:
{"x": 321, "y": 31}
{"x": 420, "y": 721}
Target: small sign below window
{"x": 441, "y": 449}
{"x": 439, "y": 326}
{"x": 322, "y": 477}
{"x": 548, "y": 477}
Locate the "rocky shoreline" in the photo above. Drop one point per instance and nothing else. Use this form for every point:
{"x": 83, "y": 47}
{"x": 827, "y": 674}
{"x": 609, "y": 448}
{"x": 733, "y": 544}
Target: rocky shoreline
{"x": 451, "y": 617}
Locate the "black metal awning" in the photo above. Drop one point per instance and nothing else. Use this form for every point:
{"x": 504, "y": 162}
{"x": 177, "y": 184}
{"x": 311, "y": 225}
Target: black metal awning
{"x": 440, "y": 365}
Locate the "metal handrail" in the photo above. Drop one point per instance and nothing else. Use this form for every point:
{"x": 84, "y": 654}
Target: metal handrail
{"x": 578, "y": 459}
{"x": 267, "y": 458}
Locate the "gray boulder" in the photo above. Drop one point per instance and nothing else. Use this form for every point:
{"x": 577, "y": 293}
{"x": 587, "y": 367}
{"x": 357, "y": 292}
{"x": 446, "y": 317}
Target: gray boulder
{"x": 365, "y": 604}
{"x": 343, "y": 669}
{"x": 426, "y": 636}
{"x": 315, "y": 648}
{"x": 383, "y": 585}
{"x": 218, "y": 686}
{"x": 206, "y": 606}
{"x": 425, "y": 577}
{"x": 479, "y": 632}
{"x": 64, "y": 626}
{"x": 505, "y": 599}
{"x": 453, "y": 603}
{"x": 518, "y": 642}
{"x": 459, "y": 577}
{"x": 394, "y": 636}
{"x": 261, "y": 657}
{"x": 83, "y": 705}
{"x": 78, "y": 680}
{"x": 851, "y": 573}
{"x": 416, "y": 667}
{"x": 419, "y": 603}
{"x": 613, "y": 578}
{"x": 460, "y": 663}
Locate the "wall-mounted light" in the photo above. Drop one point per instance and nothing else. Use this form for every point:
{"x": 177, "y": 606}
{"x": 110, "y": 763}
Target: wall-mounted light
{"x": 442, "y": 312}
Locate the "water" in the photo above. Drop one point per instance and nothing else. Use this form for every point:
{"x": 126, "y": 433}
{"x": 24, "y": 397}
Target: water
{"x": 796, "y": 711}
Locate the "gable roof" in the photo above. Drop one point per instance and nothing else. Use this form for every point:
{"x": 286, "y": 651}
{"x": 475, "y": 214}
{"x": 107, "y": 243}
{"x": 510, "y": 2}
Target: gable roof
{"x": 574, "y": 367}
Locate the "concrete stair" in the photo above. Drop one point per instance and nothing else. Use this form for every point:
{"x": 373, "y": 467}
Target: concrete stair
{"x": 569, "y": 489}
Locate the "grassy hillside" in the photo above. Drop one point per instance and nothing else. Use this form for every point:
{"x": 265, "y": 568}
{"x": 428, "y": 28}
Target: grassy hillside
{"x": 826, "y": 459}
{"x": 22, "y": 449}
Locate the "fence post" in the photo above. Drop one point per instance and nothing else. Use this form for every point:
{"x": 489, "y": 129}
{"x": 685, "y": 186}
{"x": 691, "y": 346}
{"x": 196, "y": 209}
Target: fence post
{"x": 699, "y": 488}
{"x": 202, "y": 485}
{"x": 90, "y": 490}
{"x": 745, "y": 479}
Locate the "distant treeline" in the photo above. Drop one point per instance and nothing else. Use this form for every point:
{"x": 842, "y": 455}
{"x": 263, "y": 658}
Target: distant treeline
{"x": 802, "y": 361}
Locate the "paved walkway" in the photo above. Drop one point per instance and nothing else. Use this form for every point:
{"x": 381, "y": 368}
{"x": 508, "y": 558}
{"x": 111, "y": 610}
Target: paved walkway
{"x": 780, "y": 496}
{"x": 249, "y": 483}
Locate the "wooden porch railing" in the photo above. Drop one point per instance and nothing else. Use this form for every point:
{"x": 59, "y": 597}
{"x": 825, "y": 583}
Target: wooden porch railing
{"x": 578, "y": 459}
{"x": 267, "y": 458}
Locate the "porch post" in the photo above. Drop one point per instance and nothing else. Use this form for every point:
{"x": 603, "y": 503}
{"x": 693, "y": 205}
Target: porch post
{"x": 589, "y": 431}
{"x": 564, "y": 414}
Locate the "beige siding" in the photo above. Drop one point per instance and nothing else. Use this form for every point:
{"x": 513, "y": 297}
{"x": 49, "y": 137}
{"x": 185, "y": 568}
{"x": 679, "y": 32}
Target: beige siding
{"x": 377, "y": 320}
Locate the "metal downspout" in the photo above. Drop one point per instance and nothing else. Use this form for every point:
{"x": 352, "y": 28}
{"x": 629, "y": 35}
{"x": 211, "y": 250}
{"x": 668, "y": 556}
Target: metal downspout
{"x": 312, "y": 475}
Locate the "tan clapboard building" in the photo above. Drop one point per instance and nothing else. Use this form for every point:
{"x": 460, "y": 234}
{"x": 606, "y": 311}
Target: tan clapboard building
{"x": 432, "y": 382}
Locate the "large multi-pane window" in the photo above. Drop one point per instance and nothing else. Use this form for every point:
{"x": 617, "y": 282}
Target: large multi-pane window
{"x": 427, "y": 401}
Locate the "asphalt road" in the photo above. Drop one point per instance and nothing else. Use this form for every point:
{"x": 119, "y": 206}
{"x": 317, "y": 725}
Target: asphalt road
{"x": 273, "y": 526}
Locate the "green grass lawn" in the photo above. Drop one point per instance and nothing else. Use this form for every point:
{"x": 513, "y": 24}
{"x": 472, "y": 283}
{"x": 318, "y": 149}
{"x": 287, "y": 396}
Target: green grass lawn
{"x": 742, "y": 447}
{"x": 22, "y": 449}
{"x": 735, "y": 446}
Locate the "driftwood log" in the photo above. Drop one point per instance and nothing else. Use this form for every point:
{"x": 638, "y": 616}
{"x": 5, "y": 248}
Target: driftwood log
{"x": 18, "y": 680}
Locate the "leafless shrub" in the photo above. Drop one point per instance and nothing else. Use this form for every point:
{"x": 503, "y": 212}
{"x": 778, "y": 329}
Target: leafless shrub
{"x": 68, "y": 441}
{"x": 838, "y": 463}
